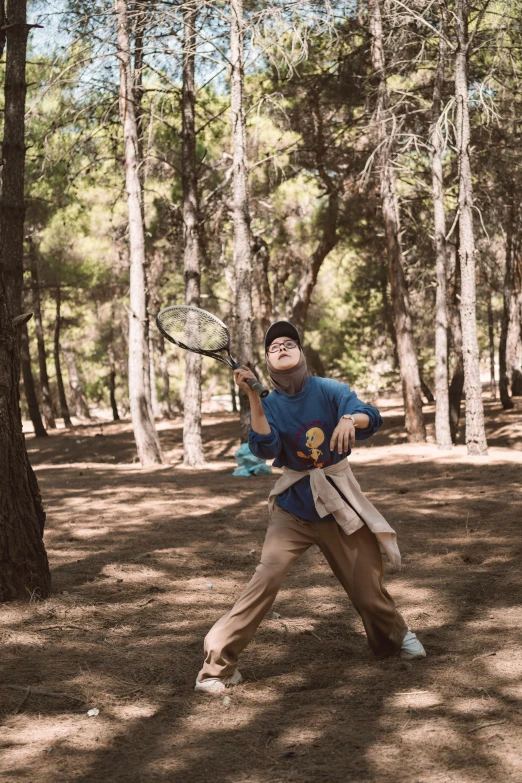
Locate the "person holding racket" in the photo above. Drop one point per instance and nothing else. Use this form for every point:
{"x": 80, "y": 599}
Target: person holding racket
{"x": 309, "y": 425}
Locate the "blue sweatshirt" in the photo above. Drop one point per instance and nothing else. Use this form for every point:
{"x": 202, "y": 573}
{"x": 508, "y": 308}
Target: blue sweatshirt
{"x": 301, "y": 426}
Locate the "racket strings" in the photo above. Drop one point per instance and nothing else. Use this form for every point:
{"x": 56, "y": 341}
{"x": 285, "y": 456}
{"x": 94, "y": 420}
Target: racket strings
{"x": 195, "y": 329}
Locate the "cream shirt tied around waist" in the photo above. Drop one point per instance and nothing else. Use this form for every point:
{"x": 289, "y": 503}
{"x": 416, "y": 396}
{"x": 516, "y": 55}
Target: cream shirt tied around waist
{"x": 327, "y": 500}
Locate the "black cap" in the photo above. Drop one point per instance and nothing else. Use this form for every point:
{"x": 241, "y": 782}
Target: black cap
{"x": 281, "y": 329}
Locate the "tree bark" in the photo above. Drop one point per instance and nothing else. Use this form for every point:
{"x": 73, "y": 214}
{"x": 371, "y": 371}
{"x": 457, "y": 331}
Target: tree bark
{"x": 428, "y": 394}
{"x": 12, "y": 204}
{"x": 47, "y": 403}
{"x": 30, "y": 393}
{"x": 241, "y": 213}
{"x": 512, "y": 294}
{"x": 491, "y": 335}
{"x": 233, "y": 396}
{"x": 81, "y": 408}
{"x": 147, "y": 442}
{"x": 2, "y": 28}
{"x": 154, "y": 401}
{"x": 456, "y": 386}
{"x": 112, "y": 383}
{"x": 329, "y": 237}
{"x": 306, "y": 285}
{"x": 475, "y": 432}
{"x": 64, "y": 408}
{"x": 516, "y": 382}
{"x": 408, "y": 364}
{"x": 165, "y": 406}
{"x": 24, "y": 569}
{"x": 442, "y": 414}
{"x": 193, "y": 455}
{"x": 261, "y": 263}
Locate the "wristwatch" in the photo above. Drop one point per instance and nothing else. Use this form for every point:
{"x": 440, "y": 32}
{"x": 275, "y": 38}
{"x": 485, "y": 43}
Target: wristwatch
{"x": 349, "y": 416}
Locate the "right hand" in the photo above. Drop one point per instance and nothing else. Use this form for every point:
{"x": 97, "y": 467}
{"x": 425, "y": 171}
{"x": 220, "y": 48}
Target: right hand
{"x": 241, "y": 376}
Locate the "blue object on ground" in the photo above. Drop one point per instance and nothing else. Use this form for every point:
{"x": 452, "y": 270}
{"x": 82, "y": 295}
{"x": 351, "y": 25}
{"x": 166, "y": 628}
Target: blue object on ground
{"x": 248, "y": 464}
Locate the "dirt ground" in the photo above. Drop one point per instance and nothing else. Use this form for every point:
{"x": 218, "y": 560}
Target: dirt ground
{"x": 133, "y": 553}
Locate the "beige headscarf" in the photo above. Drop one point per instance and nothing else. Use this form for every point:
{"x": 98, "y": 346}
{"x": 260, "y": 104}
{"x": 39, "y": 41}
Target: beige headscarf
{"x": 289, "y": 381}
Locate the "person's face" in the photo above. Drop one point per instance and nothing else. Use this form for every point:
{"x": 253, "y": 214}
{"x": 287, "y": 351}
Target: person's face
{"x": 284, "y": 358}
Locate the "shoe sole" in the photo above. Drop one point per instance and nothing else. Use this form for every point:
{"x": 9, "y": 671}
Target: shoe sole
{"x": 411, "y": 656}
{"x": 219, "y": 692}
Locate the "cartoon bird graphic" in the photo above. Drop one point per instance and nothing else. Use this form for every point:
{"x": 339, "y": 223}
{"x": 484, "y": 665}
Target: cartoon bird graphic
{"x": 314, "y": 439}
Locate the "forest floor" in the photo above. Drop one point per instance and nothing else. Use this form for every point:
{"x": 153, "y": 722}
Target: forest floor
{"x": 133, "y": 553}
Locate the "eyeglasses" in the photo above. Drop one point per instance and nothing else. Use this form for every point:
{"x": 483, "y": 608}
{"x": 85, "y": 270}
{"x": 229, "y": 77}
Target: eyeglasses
{"x": 288, "y": 344}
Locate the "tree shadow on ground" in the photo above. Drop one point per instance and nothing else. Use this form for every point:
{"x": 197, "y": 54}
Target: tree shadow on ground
{"x": 132, "y": 553}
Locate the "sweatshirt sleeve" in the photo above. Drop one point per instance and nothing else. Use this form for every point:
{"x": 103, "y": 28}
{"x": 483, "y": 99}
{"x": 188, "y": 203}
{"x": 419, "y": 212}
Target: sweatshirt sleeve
{"x": 265, "y": 446}
{"x": 348, "y": 402}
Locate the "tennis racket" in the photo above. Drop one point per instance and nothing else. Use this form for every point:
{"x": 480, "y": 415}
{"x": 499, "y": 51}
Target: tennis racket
{"x": 196, "y": 330}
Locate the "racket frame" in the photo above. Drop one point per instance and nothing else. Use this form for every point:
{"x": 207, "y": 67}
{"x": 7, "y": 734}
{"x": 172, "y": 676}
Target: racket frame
{"x": 215, "y": 354}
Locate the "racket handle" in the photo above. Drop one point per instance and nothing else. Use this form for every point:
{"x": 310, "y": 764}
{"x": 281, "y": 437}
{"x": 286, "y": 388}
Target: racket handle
{"x": 257, "y": 387}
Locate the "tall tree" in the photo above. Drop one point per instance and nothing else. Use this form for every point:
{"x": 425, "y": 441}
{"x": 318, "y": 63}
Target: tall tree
{"x": 24, "y": 570}
{"x": 406, "y": 350}
{"x": 456, "y": 386}
{"x": 510, "y": 325}
{"x": 475, "y": 432}
{"x": 442, "y": 419}
{"x": 329, "y": 236}
{"x": 192, "y": 441}
{"x": 147, "y": 442}
{"x": 80, "y": 405}
{"x": 111, "y": 380}
{"x": 30, "y": 392}
{"x": 64, "y": 408}
{"x": 45, "y": 390}
{"x": 240, "y": 211}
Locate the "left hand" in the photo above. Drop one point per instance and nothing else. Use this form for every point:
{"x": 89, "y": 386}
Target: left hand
{"x": 343, "y": 435}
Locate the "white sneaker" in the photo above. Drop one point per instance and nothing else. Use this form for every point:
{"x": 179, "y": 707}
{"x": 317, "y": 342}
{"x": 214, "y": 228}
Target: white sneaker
{"x": 217, "y": 685}
{"x": 411, "y": 647}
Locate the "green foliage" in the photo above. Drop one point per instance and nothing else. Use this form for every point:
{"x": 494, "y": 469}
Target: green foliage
{"x": 310, "y": 100}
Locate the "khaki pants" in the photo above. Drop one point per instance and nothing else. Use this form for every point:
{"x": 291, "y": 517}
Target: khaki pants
{"x": 356, "y": 562}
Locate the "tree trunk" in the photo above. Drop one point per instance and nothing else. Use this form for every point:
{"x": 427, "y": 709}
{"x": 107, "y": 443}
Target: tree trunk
{"x": 112, "y": 383}
{"x": 154, "y": 401}
{"x": 165, "y": 408}
{"x": 263, "y": 306}
{"x": 442, "y": 414}
{"x": 241, "y": 212}
{"x": 233, "y": 397}
{"x": 329, "y": 238}
{"x": 64, "y": 408}
{"x": 491, "y": 335}
{"x": 24, "y": 569}
{"x": 510, "y": 326}
{"x": 193, "y": 455}
{"x": 30, "y": 393}
{"x": 457, "y": 380}
{"x": 147, "y": 442}
{"x": 139, "y": 35}
{"x": 475, "y": 432}
{"x": 306, "y": 285}
{"x": 409, "y": 369}
{"x": 456, "y": 389}
{"x": 516, "y": 383}
{"x": 47, "y": 404}
{"x": 428, "y": 394}
{"x": 79, "y": 402}
{"x": 12, "y": 204}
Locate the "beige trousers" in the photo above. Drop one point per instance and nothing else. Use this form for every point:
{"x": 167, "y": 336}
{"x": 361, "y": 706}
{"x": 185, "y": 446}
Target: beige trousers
{"x": 355, "y": 560}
